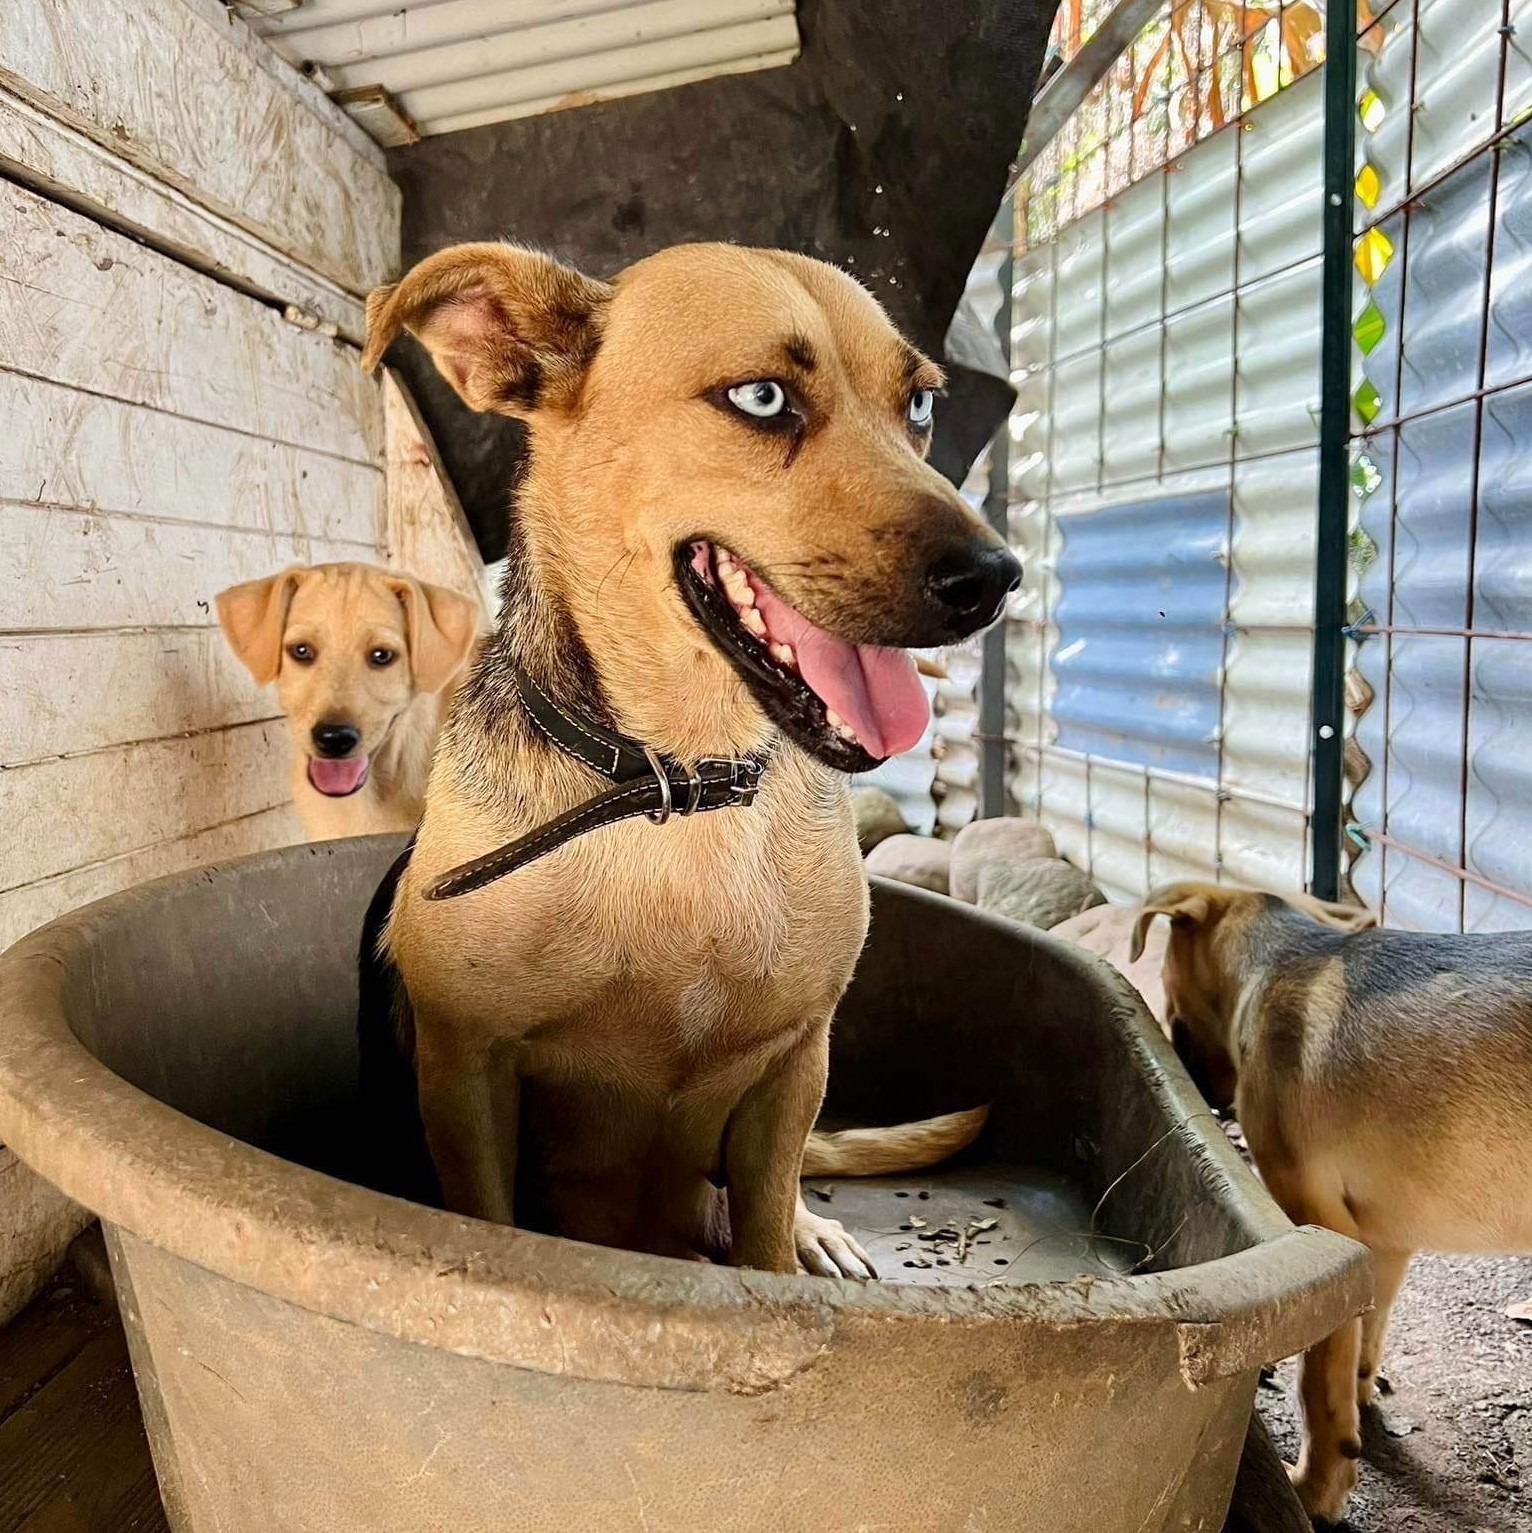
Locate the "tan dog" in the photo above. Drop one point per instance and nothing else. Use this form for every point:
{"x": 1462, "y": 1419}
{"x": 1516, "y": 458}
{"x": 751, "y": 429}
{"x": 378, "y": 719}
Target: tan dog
{"x": 727, "y": 533}
{"x": 364, "y": 660}
{"x": 1382, "y": 1081}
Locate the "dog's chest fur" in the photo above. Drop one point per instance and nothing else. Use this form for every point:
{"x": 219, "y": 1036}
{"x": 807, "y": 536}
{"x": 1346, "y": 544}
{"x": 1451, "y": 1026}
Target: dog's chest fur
{"x": 669, "y": 957}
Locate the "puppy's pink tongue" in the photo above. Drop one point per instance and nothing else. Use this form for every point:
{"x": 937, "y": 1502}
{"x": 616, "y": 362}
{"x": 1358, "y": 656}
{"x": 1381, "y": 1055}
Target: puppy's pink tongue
{"x": 337, "y": 778}
{"x": 876, "y": 691}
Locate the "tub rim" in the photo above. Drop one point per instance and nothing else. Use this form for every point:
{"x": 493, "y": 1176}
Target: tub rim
{"x": 558, "y": 1306}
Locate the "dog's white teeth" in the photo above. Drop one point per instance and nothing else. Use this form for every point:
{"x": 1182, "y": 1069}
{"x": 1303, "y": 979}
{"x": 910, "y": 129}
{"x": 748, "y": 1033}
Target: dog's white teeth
{"x": 839, "y": 725}
{"x": 753, "y": 622}
{"x": 737, "y": 584}
{"x": 783, "y": 655}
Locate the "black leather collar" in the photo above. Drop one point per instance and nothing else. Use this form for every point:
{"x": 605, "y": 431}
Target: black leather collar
{"x": 644, "y": 783}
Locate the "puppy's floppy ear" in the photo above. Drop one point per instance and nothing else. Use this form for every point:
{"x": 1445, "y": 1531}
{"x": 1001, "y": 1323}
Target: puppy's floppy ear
{"x": 253, "y": 616}
{"x": 511, "y": 330}
{"x": 1185, "y": 904}
{"x": 441, "y": 625}
{"x": 1346, "y": 918}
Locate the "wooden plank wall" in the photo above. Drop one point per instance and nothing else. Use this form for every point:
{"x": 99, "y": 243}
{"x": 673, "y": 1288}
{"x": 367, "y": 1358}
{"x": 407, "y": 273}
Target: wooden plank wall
{"x": 187, "y": 232}
{"x": 172, "y": 435}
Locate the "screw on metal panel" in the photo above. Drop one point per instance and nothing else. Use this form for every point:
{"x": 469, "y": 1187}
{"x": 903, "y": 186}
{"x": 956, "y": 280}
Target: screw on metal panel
{"x": 1326, "y": 732}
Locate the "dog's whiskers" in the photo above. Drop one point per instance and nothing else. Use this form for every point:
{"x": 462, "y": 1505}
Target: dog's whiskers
{"x": 629, "y": 557}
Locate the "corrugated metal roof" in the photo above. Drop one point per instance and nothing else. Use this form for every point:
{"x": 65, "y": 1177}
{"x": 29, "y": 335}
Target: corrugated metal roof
{"x": 453, "y": 64}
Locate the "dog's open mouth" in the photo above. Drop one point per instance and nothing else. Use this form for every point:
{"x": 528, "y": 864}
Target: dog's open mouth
{"x": 338, "y": 779}
{"x": 852, "y": 705}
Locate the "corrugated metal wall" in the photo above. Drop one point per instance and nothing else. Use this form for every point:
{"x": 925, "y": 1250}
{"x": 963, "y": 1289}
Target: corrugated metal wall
{"x": 1444, "y": 403}
{"x": 454, "y": 64}
{"x": 1163, "y": 497}
{"x": 937, "y": 783}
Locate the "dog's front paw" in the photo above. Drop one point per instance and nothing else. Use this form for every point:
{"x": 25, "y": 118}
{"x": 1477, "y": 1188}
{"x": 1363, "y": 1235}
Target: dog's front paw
{"x": 826, "y": 1250}
{"x": 1324, "y": 1489}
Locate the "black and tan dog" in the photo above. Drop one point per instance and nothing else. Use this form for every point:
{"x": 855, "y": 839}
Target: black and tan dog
{"x": 1383, "y": 1080}
{"x": 727, "y": 535}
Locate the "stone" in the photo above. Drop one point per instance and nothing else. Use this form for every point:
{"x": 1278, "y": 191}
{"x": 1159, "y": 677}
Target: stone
{"x": 985, "y": 841}
{"x": 1036, "y": 891}
{"x": 1107, "y": 931}
{"x": 919, "y": 860}
{"x": 877, "y": 817}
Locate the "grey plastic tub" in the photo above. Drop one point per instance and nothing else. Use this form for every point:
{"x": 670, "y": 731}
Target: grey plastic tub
{"x": 313, "y": 1355}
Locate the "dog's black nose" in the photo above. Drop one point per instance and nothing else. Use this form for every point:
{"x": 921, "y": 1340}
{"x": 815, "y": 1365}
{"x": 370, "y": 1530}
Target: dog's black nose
{"x": 336, "y": 739}
{"x": 968, "y": 586}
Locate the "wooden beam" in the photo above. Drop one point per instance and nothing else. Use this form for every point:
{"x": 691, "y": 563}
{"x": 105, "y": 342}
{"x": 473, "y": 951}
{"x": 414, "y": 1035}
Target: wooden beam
{"x": 428, "y": 534}
{"x": 69, "y": 167}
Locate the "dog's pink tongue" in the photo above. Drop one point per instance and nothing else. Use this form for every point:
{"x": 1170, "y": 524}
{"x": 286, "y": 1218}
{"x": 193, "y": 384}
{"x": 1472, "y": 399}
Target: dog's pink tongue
{"x": 337, "y": 778}
{"x": 876, "y": 691}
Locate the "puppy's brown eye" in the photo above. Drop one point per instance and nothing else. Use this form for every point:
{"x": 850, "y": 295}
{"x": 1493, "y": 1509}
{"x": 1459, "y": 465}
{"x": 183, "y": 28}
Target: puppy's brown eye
{"x": 381, "y": 657}
{"x": 302, "y": 653}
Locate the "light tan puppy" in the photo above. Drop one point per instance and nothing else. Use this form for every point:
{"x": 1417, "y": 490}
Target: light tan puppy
{"x": 726, "y": 536}
{"x": 1382, "y": 1080}
{"x": 365, "y": 660}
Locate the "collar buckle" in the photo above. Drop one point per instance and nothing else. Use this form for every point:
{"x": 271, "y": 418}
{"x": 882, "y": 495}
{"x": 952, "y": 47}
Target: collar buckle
{"x": 744, "y": 777}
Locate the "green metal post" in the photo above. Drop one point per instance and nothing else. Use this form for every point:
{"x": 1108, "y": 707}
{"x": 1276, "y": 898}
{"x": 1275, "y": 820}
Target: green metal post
{"x": 1328, "y": 702}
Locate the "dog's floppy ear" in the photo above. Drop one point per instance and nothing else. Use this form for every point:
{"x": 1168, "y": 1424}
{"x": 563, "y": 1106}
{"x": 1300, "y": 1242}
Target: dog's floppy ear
{"x": 442, "y": 626}
{"x": 253, "y": 616}
{"x": 511, "y": 330}
{"x": 1346, "y": 918}
{"x": 1185, "y": 904}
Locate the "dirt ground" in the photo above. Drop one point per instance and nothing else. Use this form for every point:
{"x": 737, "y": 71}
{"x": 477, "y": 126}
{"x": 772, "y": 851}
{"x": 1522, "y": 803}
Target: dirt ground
{"x": 1450, "y": 1449}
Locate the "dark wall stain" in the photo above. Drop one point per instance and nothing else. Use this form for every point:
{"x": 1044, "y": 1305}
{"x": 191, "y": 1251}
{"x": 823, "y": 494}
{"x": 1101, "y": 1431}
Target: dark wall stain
{"x": 884, "y": 148}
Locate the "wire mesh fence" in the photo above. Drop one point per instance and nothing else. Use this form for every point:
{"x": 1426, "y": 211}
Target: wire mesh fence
{"x": 1443, "y": 409}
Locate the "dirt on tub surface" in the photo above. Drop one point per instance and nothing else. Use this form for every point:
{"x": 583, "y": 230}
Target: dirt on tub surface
{"x": 1450, "y": 1450}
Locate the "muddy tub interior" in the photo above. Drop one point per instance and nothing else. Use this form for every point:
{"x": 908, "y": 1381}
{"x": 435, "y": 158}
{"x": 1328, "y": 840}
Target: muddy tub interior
{"x": 1067, "y": 1339}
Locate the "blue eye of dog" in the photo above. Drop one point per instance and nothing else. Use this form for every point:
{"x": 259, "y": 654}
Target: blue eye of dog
{"x": 764, "y": 399}
{"x": 381, "y": 657}
{"x": 302, "y": 653}
{"x": 921, "y": 407}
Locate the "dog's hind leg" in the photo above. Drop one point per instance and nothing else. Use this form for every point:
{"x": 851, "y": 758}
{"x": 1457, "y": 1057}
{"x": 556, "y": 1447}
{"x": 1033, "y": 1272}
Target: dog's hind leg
{"x": 394, "y": 1157}
{"x": 470, "y": 1106}
{"x": 1388, "y": 1268}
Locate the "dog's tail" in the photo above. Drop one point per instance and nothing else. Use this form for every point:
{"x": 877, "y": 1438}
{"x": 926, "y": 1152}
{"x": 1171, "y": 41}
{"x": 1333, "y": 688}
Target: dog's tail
{"x": 886, "y": 1151}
